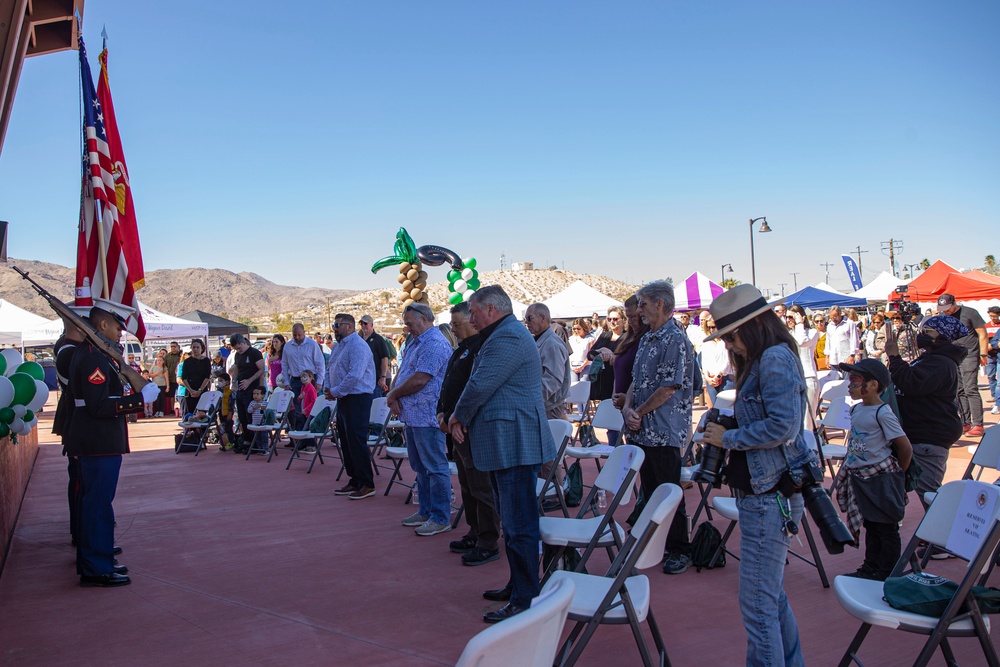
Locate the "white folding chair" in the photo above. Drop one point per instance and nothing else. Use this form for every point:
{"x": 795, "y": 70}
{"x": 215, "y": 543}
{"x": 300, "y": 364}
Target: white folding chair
{"x": 863, "y": 598}
{"x": 837, "y": 418}
{"x": 622, "y": 596}
{"x": 378, "y": 442}
{"x": 529, "y": 639}
{"x": 608, "y": 417}
{"x": 725, "y": 400}
{"x": 299, "y": 438}
{"x": 601, "y": 530}
{"x": 194, "y": 434}
{"x": 986, "y": 455}
{"x": 549, "y": 488}
{"x": 280, "y": 402}
{"x": 579, "y": 394}
{"x": 831, "y": 390}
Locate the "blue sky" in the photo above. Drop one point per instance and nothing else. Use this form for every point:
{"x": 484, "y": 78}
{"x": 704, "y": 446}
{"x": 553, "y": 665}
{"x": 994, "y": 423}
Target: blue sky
{"x": 631, "y": 139}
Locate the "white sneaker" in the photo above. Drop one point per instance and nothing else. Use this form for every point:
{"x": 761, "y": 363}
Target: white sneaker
{"x": 995, "y": 410}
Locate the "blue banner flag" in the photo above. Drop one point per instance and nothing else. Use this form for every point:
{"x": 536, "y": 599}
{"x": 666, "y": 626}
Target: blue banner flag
{"x": 852, "y": 272}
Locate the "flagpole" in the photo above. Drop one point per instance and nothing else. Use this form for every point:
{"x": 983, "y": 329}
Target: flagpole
{"x": 102, "y": 256}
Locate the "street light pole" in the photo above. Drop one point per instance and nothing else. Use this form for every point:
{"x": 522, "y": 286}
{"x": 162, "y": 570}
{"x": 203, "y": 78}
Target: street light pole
{"x": 724, "y": 271}
{"x": 763, "y": 230}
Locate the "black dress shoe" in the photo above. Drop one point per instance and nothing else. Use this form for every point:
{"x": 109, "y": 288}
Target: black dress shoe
{"x": 117, "y": 551}
{"x": 499, "y": 594}
{"x": 121, "y": 569}
{"x": 105, "y": 581}
{"x": 503, "y": 613}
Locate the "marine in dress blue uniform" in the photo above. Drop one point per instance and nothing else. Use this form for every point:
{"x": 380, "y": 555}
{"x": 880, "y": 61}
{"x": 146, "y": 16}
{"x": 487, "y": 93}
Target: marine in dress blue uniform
{"x": 98, "y": 436}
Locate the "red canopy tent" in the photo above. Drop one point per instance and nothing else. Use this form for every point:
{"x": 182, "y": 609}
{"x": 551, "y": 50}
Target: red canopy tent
{"x": 924, "y": 287}
{"x": 942, "y": 279}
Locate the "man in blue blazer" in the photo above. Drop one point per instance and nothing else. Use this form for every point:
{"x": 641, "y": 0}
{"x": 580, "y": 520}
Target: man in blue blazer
{"x": 501, "y": 410}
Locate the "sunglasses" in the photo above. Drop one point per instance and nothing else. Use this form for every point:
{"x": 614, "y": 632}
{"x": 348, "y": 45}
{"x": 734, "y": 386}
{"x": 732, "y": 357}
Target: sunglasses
{"x": 729, "y": 336}
{"x": 713, "y": 328}
{"x": 613, "y": 319}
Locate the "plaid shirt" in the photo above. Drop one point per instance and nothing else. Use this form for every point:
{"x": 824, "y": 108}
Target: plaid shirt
{"x": 845, "y": 494}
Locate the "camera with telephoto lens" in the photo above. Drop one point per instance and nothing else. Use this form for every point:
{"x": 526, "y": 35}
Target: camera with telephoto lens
{"x": 809, "y": 481}
{"x": 908, "y": 311}
{"x": 712, "y": 457}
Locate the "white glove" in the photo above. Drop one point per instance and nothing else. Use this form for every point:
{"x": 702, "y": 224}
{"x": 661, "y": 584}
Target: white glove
{"x": 149, "y": 392}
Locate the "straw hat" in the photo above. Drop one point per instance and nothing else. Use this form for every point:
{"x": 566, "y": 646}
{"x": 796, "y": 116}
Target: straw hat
{"x": 734, "y": 307}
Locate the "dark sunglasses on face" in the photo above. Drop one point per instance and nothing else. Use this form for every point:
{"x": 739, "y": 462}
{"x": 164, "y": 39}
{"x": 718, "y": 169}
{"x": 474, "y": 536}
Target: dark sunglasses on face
{"x": 729, "y": 336}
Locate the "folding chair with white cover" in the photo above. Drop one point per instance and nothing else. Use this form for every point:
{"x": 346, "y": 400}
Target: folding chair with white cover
{"x": 208, "y": 402}
{"x": 299, "y": 438}
{"x": 549, "y": 488}
{"x": 589, "y": 533}
{"x": 622, "y": 595}
{"x": 863, "y": 598}
{"x": 579, "y": 394}
{"x": 608, "y": 417}
{"x": 529, "y": 639}
{"x": 280, "y": 401}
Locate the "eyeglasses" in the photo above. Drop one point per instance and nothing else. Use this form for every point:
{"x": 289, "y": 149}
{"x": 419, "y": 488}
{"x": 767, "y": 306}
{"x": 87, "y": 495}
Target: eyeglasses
{"x": 614, "y": 319}
{"x": 530, "y": 318}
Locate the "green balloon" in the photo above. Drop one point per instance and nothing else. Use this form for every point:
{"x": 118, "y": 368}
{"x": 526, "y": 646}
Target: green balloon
{"x": 470, "y": 263}
{"x": 6, "y": 415}
{"x": 4, "y": 430}
{"x": 34, "y": 369}
{"x": 3, "y": 365}
{"x": 453, "y": 275}
{"x": 28, "y": 416}
{"x": 455, "y": 298}
{"x": 473, "y": 284}
{"x": 24, "y": 388}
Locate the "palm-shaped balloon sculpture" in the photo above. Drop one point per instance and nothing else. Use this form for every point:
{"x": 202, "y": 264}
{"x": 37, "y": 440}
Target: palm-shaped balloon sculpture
{"x": 463, "y": 279}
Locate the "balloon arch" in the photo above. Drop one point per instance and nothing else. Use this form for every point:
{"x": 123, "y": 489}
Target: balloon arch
{"x": 22, "y": 394}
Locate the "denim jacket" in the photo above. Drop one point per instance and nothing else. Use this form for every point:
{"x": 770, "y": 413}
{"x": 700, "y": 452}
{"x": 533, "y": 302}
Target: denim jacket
{"x": 769, "y": 410}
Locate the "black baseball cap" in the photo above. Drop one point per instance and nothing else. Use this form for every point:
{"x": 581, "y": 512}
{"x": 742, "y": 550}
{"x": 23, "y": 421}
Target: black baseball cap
{"x": 869, "y": 368}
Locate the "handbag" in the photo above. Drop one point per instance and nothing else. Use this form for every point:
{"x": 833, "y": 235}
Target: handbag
{"x": 596, "y": 367}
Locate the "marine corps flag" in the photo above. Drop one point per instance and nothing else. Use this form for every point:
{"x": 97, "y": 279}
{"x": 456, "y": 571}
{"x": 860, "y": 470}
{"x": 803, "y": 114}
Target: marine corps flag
{"x": 109, "y": 260}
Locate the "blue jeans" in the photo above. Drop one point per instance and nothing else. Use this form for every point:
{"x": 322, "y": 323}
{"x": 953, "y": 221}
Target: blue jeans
{"x": 991, "y": 375}
{"x": 96, "y": 541}
{"x": 425, "y": 445}
{"x": 772, "y": 633}
{"x": 514, "y": 491}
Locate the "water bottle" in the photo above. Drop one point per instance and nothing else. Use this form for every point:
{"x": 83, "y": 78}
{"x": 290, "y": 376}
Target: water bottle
{"x": 602, "y": 500}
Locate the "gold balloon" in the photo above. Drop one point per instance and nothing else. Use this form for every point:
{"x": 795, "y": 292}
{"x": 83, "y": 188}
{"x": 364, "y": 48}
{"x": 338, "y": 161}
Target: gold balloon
{"x": 423, "y": 276}
{"x": 401, "y": 277}
{"x": 404, "y": 296}
{"x": 407, "y": 285}
{"x": 407, "y": 303}
{"x": 415, "y": 294}
{"x": 412, "y": 274}
{"x": 420, "y": 284}
{"x": 405, "y": 267}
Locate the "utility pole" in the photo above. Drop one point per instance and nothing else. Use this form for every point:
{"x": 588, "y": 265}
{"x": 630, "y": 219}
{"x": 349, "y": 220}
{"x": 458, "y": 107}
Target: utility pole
{"x": 827, "y": 265}
{"x": 795, "y": 281}
{"x": 329, "y": 324}
{"x": 782, "y": 286}
{"x": 859, "y": 251}
{"x": 891, "y": 248}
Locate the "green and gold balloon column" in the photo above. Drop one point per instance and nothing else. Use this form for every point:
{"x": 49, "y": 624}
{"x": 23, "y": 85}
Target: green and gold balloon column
{"x": 463, "y": 279}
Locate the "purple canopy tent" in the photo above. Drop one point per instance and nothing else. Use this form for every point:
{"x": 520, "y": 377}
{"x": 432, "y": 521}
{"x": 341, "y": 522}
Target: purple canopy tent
{"x": 695, "y": 293}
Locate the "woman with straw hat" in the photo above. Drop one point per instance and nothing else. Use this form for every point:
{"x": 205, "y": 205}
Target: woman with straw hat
{"x": 770, "y": 404}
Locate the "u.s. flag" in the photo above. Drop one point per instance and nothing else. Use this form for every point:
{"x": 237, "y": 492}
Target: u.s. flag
{"x": 99, "y": 208}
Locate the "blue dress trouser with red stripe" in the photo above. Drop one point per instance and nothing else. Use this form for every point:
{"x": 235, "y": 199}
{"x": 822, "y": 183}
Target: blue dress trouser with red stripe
{"x": 96, "y": 538}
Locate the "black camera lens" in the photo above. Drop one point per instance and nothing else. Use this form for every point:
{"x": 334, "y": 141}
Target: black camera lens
{"x": 833, "y": 531}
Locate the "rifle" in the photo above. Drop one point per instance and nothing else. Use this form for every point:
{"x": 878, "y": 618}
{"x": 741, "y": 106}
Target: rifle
{"x": 93, "y": 335}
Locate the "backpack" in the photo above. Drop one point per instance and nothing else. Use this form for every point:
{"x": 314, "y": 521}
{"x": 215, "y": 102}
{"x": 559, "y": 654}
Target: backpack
{"x": 707, "y": 540}
{"x": 573, "y": 486}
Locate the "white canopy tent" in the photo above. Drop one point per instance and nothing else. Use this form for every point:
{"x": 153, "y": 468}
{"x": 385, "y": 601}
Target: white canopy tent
{"x": 13, "y": 322}
{"x": 880, "y": 288}
{"x": 159, "y": 326}
{"x": 579, "y": 300}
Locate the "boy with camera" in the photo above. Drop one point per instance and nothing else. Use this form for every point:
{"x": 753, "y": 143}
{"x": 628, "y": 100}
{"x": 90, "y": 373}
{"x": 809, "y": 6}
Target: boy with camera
{"x": 870, "y": 485}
